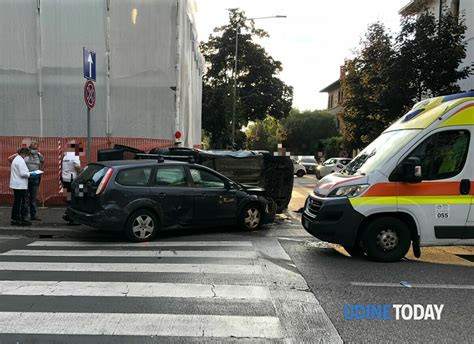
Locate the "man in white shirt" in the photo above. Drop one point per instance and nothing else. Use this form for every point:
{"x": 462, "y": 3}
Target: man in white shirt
{"x": 71, "y": 166}
{"x": 19, "y": 175}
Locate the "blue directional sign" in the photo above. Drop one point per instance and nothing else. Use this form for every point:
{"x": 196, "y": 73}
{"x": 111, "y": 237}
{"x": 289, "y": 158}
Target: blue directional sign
{"x": 89, "y": 64}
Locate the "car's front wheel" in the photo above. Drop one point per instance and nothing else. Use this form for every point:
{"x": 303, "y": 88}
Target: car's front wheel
{"x": 300, "y": 173}
{"x": 250, "y": 218}
{"x": 141, "y": 226}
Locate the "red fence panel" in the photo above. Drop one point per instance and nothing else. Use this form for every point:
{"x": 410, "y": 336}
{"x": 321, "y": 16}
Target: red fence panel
{"x": 53, "y": 148}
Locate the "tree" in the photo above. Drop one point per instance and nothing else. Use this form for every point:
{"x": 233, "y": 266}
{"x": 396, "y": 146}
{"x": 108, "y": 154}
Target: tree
{"x": 259, "y": 91}
{"x": 430, "y": 52}
{"x": 373, "y": 94}
{"x": 389, "y": 75}
{"x": 305, "y": 130}
{"x": 265, "y": 134}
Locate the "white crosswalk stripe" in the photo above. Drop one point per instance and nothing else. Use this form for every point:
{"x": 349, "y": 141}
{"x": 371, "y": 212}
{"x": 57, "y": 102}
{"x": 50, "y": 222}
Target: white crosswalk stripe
{"x": 133, "y": 289}
{"x": 144, "y": 244}
{"x": 120, "y": 253}
{"x": 193, "y": 307}
{"x": 184, "y": 325}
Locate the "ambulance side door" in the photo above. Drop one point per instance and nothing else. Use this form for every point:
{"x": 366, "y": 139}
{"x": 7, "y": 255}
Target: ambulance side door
{"x": 468, "y": 236}
{"x": 440, "y": 201}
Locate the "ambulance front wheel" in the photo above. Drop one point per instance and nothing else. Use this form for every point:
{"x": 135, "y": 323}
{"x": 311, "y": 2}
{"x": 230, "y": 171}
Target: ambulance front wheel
{"x": 386, "y": 239}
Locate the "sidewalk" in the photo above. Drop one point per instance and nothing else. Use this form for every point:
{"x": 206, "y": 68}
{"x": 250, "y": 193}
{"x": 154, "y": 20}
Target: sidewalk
{"x": 51, "y": 225}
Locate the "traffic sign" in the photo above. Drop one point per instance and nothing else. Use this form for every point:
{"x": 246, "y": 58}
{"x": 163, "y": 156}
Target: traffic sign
{"x": 89, "y": 94}
{"x": 89, "y": 64}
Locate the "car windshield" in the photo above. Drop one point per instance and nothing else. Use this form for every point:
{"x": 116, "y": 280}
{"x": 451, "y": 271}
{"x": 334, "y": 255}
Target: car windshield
{"x": 308, "y": 161}
{"x": 379, "y": 151}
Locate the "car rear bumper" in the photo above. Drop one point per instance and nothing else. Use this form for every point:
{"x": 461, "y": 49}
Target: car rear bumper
{"x": 335, "y": 221}
{"x": 104, "y": 219}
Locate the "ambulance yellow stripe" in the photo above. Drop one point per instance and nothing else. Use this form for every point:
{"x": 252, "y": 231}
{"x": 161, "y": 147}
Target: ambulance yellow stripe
{"x": 410, "y": 200}
{"x": 463, "y": 117}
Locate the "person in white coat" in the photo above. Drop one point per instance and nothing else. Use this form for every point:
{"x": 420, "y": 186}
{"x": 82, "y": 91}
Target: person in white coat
{"x": 19, "y": 175}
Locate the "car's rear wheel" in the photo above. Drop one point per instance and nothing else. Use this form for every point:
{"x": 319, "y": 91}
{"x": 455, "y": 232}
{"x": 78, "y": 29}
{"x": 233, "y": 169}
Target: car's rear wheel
{"x": 386, "y": 239}
{"x": 250, "y": 217}
{"x": 300, "y": 173}
{"x": 141, "y": 226}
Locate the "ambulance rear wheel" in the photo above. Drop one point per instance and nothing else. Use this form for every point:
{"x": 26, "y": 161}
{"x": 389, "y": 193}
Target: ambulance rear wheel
{"x": 386, "y": 239}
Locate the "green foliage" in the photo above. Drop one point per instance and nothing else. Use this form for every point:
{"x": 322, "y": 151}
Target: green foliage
{"x": 332, "y": 146}
{"x": 388, "y": 75}
{"x": 259, "y": 91}
{"x": 430, "y": 53}
{"x": 373, "y": 96}
{"x": 304, "y": 130}
{"x": 205, "y": 140}
{"x": 265, "y": 134}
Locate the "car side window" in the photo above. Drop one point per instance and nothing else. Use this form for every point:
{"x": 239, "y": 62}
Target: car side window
{"x": 443, "y": 154}
{"x": 170, "y": 176}
{"x": 138, "y": 176}
{"x": 205, "y": 179}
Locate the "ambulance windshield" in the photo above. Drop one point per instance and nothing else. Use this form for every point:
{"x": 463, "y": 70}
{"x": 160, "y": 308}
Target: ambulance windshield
{"x": 378, "y": 152}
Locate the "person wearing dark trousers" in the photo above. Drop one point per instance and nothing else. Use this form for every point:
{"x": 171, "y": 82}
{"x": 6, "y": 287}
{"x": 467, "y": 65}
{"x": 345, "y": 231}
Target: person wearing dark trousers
{"x": 19, "y": 175}
{"x": 70, "y": 167}
{"x": 34, "y": 161}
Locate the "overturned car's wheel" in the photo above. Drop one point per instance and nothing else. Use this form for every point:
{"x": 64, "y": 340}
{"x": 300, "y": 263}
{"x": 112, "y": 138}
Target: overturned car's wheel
{"x": 386, "y": 239}
{"x": 250, "y": 217}
{"x": 142, "y": 225}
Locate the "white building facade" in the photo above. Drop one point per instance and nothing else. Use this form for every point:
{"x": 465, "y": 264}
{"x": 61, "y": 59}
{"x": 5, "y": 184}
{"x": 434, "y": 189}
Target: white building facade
{"x": 148, "y": 76}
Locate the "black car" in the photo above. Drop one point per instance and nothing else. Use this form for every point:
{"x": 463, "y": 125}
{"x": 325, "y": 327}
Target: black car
{"x": 139, "y": 197}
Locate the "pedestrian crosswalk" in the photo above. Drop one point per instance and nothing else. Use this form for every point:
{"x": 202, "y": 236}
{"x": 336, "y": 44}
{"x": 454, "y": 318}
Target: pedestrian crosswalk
{"x": 61, "y": 291}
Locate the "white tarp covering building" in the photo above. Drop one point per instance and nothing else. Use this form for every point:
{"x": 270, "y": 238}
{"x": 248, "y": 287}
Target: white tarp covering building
{"x": 148, "y": 71}
{"x": 148, "y": 66}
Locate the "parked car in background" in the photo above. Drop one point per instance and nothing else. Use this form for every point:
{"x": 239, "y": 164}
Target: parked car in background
{"x": 298, "y": 169}
{"x": 330, "y": 166}
{"x": 309, "y": 163}
{"x": 141, "y": 197}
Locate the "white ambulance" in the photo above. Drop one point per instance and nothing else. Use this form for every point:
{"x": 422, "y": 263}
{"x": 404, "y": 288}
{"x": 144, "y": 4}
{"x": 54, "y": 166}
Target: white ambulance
{"x": 413, "y": 184}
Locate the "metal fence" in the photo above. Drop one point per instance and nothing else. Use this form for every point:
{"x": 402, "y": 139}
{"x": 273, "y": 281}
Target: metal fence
{"x": 53, "y": 148}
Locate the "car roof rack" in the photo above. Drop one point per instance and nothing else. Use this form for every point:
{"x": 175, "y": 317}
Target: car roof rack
{"x": 161, "y": 158}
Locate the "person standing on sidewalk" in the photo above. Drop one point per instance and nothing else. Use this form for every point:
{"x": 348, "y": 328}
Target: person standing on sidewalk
{"x": 70, "y": 167}
{"x": 19, "y": 175}
{"x": 34, "y": 161}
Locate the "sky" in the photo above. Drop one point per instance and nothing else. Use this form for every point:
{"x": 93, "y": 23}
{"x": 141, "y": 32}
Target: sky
{"x": 314, "y": 39}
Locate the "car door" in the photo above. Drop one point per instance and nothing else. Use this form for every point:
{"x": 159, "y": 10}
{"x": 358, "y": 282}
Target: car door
{"x": 441, "y": 202}
{"x": 173, "y": 195}
{"x": 328, "y": 166}
{"x": 214, "y": 201}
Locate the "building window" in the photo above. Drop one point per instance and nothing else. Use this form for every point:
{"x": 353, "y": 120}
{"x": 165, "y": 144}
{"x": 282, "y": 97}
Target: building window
{"x": 455, "y": 8}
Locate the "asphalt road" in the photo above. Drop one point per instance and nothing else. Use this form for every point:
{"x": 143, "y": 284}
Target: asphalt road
{"x": 337, "y": 279}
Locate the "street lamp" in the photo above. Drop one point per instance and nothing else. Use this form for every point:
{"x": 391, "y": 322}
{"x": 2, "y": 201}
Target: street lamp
{"x": 235, "y": 70}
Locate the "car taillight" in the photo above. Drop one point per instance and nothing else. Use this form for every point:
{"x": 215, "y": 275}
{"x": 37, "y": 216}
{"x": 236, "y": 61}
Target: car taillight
{"x": 104, "y": 182}
{"x": 339, "y": 166}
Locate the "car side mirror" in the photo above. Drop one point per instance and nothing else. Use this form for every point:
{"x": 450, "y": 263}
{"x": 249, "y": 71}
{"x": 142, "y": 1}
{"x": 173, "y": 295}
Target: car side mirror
{"x": 408, "y": 171}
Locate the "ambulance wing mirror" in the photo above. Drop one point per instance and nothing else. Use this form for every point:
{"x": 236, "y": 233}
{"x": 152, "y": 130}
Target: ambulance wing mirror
{"x": 408, "y": 171}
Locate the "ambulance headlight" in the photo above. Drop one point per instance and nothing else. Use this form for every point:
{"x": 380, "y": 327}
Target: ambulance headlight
{"x": 349, "y": 191}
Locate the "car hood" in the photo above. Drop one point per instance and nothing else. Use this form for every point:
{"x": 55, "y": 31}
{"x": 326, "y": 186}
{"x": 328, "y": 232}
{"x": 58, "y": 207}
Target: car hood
{"x": 254, "y": 190}
{"x": 331, "y": 181}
